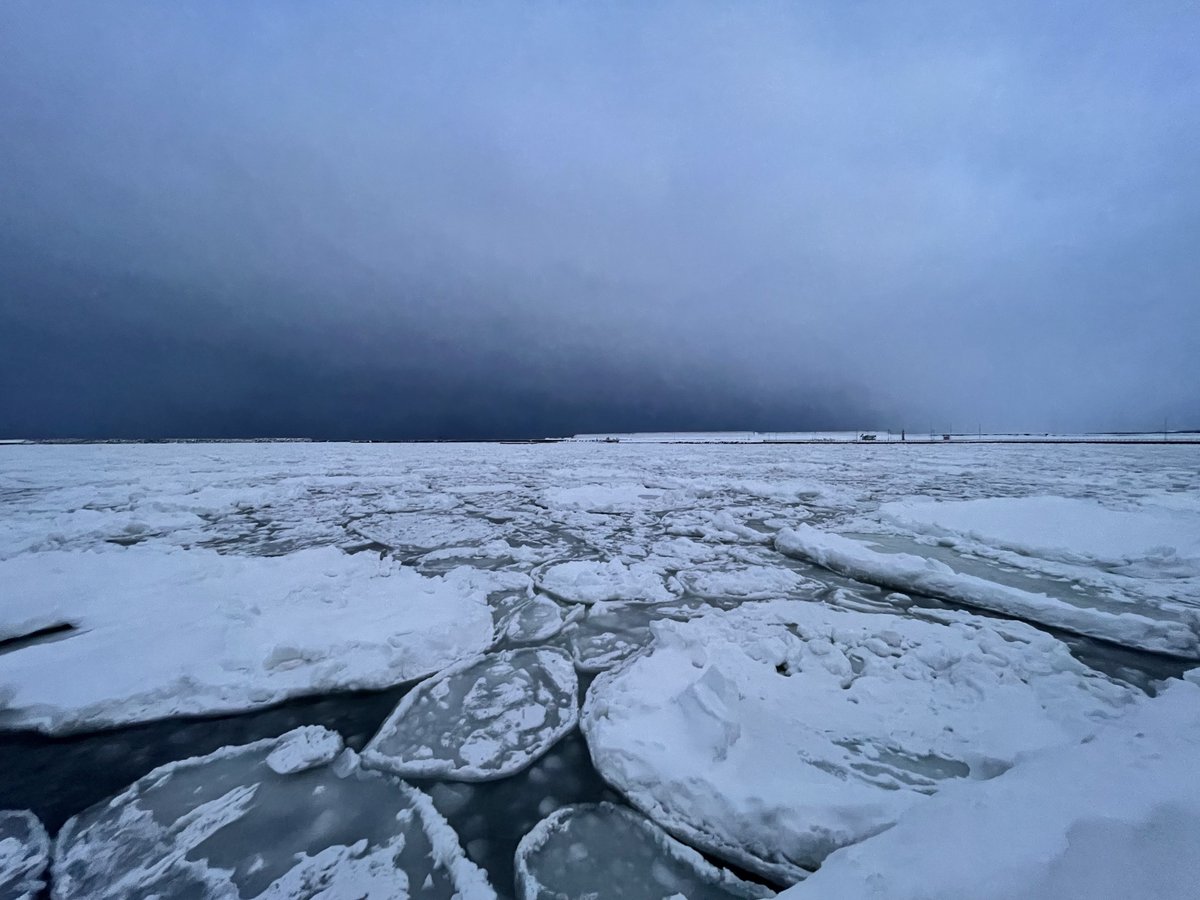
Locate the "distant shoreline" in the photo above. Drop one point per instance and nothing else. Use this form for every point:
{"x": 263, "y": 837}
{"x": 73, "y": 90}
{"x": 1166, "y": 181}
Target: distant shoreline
{"x": 877, "y": 438}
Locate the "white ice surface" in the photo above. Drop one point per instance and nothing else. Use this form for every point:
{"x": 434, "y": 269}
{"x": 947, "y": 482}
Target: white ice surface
{"x": 604, "y": 852}
{"x": 773, "y": 734}
{"x": 1115, "y": 817}
{"x": 304, "y": 748}
{"x": 168, "y": 633}
{"x": 24, "y": 854}
{"x": 587, "y": 581}
{"x": 1078, "y": 530}
{"x": 228, "y": 825}
{"x": 1171, "y": 630}
{"x": 483, "y": 719}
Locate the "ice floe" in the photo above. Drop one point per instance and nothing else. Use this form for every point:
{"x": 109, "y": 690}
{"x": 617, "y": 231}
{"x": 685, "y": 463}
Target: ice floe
{"x": 603, "y": 852}
{"x": 24, "y": 853}
{"x": 591, "y": 581}
{"x": 611, "y": 632}
{"x": 1117, "y": 816}
{"x": 745, "y": 582}
{"x": 1074, "y": 530}
{"x": 483, "y": 719}
{"x": 1162, "y": 629}
{"x": 774, "y": 734}
{"x": 159, "y": 633}
{"x": 531, "y": 620}
{"x": 229, "y": 825}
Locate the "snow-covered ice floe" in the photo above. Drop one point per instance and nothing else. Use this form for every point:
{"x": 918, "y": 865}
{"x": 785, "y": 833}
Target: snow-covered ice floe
{"x": 155, "y": 634}
{"x": 531, "y": 620}
{"x": 24, "y": 853}
{"x": 1168, "y": 629}
{"x": 230, "y": 825}
{"x": 603, "y": 852}
{"x": 483, "y": 719}
{"x": 1070, "y": 529}
{"x": 589, "y": 581}
{"x": 610, "y": 632}
{"x": 1117, "y": 816}
{"x": 773, "y": 734}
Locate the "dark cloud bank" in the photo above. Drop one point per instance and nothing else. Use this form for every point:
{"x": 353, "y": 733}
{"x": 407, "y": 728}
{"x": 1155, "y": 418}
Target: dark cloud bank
{"x": 496, "y": 220}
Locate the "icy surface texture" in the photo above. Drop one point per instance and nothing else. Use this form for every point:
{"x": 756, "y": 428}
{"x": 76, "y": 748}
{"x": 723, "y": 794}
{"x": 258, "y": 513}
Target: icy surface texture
{"x": 24, "y": 852}
{"x": 604, "y": 852}
{"x": 776, "y": 733}
{"x": 1118, "y": 816}
{"x": 228, "y": 825}
{"x": 609, "y": 632}
{"x": 159, "y": 634}
{"x": 1173, "y": 630}
{"x": 531, "y": 620}
{"x": 483, "y": 719}
{"x": 304, "y": 748}
{"x": 585, "y": 581}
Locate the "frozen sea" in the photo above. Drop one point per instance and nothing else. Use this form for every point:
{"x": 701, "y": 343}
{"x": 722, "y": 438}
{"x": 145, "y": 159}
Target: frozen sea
{"x": 600, "y": 670}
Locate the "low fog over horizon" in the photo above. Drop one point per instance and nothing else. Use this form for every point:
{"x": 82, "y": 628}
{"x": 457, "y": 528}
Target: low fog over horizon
{"x": 390, "y": 221}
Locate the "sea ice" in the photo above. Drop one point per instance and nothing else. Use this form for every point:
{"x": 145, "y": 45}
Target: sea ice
{"x": 1074, "y": 530}
{"x": 160, "y": 633}
{"x": 24, "y": 852}
{"x": 424, "y": 530}
{"x": 756, "y": 582}
{"x": 1170, "y": 630}
{"x": 532, "y": 620}
{"x": 228, "y": 825}
{"x": 610, "y": 632}
{"x": 773, "y": 734}
{"x": 589, "y": 581}
{"x": 1117, "y": 816}
{"x": 304, "y": 748}
{"x": 603, "y": 852}
{"x": 483, "y": 719}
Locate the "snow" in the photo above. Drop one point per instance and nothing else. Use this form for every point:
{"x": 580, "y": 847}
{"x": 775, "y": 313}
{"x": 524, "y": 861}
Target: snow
{"x": 604, "y": 852}
{"x": 1078, "y": 530}
{"x": 774, "y": 734}
{"x": 586, "y": 581}
{"x": 1117, "y": 816}
{"x": 228, "y": 824}
{"x": 304, "y": 748}
{"x": 24, "y": 853}
{"x": 1174, "y": 631}
{"x": 484, "y": 719}
{"x": 169, "y": 633}
{"x": 532, "y": 620}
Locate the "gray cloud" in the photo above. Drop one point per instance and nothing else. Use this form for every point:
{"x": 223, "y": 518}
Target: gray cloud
{"x": 425, "y": 220}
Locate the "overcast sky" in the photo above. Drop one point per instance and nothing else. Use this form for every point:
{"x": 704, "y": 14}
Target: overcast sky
{"x": 398, "y": 220}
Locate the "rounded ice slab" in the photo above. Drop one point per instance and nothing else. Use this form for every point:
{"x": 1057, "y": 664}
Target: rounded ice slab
{"x": 774, "y": 734}
{"x": 604, "y": 852}
{"x": 24, "y": 852}
{"x": 486, "y": 718}
{"x": 228, "y": 825}
{"x": 592, "y": 581}
{"x": 194, "y": 632}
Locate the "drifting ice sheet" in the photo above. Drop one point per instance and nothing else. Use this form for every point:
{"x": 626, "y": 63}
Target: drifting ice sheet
{"x": 1176, "y": 632}
{"x": 1059, "y": 527}
{"x": 228, "y": 825}
{"x": 24, "y": 852}
{"x": 587, "y": 581}
{"x": 1118, "y": 816}
{"x": 776, "y": 733}
{"x": 191, "y": 632}
{"x": 603, "y": 852}
{"x": 483, "y": 719}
